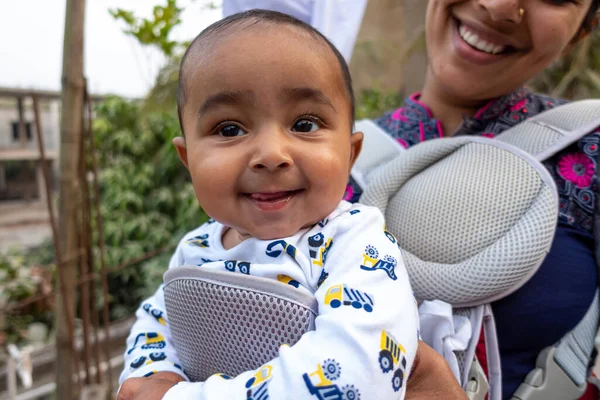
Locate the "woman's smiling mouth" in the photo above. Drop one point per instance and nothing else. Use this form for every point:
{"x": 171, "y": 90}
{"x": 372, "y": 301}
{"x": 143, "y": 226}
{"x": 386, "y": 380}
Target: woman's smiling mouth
{"x": 479, "y": 46}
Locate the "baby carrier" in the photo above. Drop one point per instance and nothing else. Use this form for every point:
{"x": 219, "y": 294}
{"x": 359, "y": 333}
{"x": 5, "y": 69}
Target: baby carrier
{"x": 469, "y": 236}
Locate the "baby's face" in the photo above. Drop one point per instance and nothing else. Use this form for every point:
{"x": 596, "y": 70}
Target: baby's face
{"x": 267, "y": 131}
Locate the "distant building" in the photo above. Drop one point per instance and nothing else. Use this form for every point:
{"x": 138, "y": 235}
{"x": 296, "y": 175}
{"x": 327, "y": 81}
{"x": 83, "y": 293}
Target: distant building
{"x": 21, "y": 176}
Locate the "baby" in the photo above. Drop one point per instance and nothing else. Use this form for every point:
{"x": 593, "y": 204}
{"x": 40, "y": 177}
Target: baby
{"x": 266, "y": 108}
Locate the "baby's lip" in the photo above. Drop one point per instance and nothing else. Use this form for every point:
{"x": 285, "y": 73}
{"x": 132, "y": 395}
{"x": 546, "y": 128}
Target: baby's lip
{"x": 275, "y": 201}
{"x": 272, "y": 196}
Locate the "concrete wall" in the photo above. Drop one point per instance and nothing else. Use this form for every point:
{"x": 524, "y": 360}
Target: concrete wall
{"x": 388, "y": 53}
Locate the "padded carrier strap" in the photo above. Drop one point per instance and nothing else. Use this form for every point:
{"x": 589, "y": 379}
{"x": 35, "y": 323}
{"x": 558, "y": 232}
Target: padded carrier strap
{"x": 229, "y": 323}
{"x": 378, "y": 149}
{"x": 561, "y": 370}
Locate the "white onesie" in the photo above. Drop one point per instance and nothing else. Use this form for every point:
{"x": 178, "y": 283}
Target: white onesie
{"x": 365, "y": 336}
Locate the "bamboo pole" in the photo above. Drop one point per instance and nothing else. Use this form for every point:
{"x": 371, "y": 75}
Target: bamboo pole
{"x": 85, "y": 244}
{"x": 72, "y": 113}
{"x": 57, "y": 250}
{"x": 87, "y": 236}
{"x": 100, "y": 232}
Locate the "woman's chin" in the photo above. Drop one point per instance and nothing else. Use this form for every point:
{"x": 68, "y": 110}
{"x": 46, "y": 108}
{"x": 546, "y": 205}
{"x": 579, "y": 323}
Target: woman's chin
{"x": 469, "y": 89}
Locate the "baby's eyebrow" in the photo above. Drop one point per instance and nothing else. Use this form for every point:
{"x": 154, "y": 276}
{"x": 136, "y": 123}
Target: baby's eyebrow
{"x": 227, "y": 98}
{"x": 306, "y": 93}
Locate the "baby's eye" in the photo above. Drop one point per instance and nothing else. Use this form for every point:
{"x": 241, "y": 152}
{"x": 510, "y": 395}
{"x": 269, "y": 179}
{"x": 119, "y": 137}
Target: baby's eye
{"x": 230, "y": 131}
{"x": 305, "y": 126}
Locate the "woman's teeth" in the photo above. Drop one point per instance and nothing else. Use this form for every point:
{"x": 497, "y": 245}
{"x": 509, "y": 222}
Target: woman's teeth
{"x": 480, "y": 44}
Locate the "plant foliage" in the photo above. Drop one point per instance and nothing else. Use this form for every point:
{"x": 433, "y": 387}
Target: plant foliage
{"x": 147, "y": 200}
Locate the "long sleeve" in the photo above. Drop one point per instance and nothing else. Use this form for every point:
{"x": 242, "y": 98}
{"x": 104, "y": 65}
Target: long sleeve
{"x": 365, "y": 336}
{"x": 149, "y": 344}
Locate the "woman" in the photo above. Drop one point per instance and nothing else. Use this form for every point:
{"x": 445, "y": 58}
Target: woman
{"x": 481, "y": 53}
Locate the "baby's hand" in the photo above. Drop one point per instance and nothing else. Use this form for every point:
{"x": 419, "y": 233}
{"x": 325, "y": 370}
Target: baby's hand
{"x": 153, "y": 387}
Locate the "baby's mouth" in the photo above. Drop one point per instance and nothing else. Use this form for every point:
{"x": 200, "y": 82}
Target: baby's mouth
{"x": 476, "y": 42}
{"x": 273, "y": 197}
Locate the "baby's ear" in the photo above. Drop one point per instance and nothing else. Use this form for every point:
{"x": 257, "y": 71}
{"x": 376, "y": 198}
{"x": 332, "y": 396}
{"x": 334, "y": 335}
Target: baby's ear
{"x": 356, "y": 141}
{"x": 179, "y": 143}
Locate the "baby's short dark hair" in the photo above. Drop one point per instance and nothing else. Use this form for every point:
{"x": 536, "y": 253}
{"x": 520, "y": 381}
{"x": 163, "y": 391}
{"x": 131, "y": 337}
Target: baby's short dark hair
{"x": 254, "y": 17}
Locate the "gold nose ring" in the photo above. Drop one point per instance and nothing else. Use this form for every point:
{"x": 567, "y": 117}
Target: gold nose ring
{"x": 521, "y": 11}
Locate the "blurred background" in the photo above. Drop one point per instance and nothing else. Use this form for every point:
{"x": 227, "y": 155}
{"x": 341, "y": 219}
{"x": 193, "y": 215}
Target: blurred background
{"x": 127, "y": 199}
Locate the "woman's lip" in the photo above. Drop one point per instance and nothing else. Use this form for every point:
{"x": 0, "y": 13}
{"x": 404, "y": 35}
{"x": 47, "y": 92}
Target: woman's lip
{"x": 469, "y": 53}
{"x": 488, "y": 34}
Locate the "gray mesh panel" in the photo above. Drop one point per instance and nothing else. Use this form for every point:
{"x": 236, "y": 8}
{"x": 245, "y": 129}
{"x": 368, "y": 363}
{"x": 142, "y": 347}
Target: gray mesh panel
{"x": 440, "y": 218}
{"x": 502, "y": 268}
{"x": 387, "y": 180}
{"x": 472, "y": 236}
{"x": 220, "y": 329}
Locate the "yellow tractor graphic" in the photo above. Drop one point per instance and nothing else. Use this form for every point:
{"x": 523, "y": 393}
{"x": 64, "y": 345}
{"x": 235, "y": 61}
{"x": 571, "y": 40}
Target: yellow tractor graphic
{"x": 371, "y": 262}
{"x": 288, "y": 280}
{"x": 338, "y": 295}
{"x": 257, "y": 384}
{"x": 391, "y": 355}
{"x": 155, "y": 312}
{"x": 199, "y": 241}
{"x": 320, "y": 383}
{"x": 318, "y": 249}
{"x": 153, "y": 341}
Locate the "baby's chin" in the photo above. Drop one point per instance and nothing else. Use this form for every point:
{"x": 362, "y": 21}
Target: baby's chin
{"x": 279, "y": 232}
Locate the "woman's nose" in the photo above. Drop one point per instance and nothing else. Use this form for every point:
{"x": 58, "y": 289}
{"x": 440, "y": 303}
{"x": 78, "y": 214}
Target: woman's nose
{"x": 271, "y": 152}
{"x": 503, "y": 10}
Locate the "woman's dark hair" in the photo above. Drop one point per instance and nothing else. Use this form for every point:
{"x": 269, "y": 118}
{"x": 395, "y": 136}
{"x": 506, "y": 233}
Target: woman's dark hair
{"x": 253, "y": 17}
{"x": 590, "y": 17}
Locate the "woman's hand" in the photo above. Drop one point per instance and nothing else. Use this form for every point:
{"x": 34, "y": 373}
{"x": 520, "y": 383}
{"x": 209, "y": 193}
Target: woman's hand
{"x": 431, "y": 378}
{"x": 153, "y": 387}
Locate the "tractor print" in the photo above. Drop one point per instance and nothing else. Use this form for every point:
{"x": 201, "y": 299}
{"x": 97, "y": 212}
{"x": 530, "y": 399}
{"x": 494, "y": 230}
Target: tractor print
{"x": 371, "y": 262}
{"x": 320, "y": 383}
{"x": 343, "y": 295}
{"x": 199, "y": 241}
{"x": 243, "y": 266}
{"x": 276, "y": 248}
{"x": 153, "y": 341}
{"x": 318, "y": 249}
{"x": 155, "y": 312}
{"x": 257, "y": 385}
{"x": 392, "y": 354}
{"x": 288, "y": 280}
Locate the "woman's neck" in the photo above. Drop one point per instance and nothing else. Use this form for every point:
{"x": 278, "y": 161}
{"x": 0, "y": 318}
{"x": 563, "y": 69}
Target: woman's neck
{"x": 449, "y": 110}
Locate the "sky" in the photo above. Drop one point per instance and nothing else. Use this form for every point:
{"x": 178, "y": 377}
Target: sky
{"x": 31, "y": 45}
